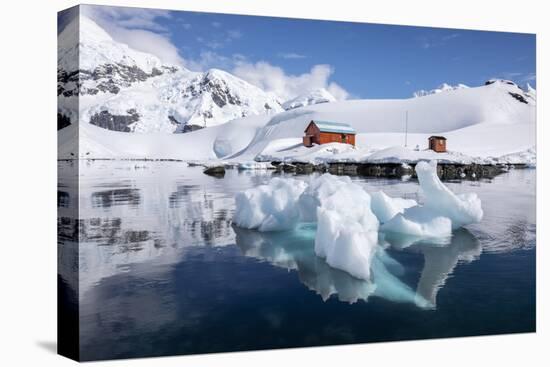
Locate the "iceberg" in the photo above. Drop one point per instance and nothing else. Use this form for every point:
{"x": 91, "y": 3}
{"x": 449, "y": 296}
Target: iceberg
{"x": 347, "y": 231}
{"x": 270, "y": 207}
{"x": 442, "y": 210}
{"x": 385, "y": 207}
{"x": 348, "y": 219}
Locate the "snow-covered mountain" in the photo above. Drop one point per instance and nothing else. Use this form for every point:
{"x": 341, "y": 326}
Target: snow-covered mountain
{"x": 488, "y": 121}
{"x": 126, "y": 90}
{"x": 442, "y": 88}
{"x": 312, "y": 97}
{"x": 531, "y": 91}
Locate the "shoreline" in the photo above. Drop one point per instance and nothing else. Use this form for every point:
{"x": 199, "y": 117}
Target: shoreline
{"x": 445, "y": 170}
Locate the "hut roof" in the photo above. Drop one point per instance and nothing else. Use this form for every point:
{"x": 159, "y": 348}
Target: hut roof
{"x": 334, "y": 127}
{"x": 437, "y": 137}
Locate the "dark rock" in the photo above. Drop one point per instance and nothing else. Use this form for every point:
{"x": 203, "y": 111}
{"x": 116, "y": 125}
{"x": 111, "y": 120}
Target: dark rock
{"x": 187, "y": 128}
{"x": 62, "y": 121}
{"x": 216, "y": 171}
{"x": 286, "y": 167}
{"x": 109, "y": 121}
{"x": 109, "y": 78}
{"x": 519, "y": 97}
{"x": 304, "y": 168}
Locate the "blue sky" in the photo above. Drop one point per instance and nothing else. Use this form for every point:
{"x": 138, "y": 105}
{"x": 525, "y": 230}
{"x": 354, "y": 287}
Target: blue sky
{"x": 363, "y": 60}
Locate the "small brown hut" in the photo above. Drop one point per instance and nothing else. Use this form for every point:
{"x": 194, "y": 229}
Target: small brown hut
{"x": 322, "y": 132}
{"x": 437, "y": 143}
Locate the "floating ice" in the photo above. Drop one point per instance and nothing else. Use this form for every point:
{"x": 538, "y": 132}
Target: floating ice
{"x": 348, "y": 218}
{"x": 441, "y": 212}
{"x": 418, "y": 222}
{"x": 385, "y": 207}
{"x": 270, "y": 207}
{"x": 347, "y": 231}
{"x": 318, "y": 190}
{"x": 462, "y": 209}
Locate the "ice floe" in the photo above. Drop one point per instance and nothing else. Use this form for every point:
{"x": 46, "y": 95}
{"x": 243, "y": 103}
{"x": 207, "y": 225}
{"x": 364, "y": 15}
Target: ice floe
{"x": 269, "y": 207}
{"x": 442, "y": 210}
{"x": 351, "y": 223}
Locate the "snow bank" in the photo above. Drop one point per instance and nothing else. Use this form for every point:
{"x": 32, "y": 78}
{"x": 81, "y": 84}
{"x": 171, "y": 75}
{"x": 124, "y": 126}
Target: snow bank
{"x": 441, "y": 212}
{"x": 270, "y": 207}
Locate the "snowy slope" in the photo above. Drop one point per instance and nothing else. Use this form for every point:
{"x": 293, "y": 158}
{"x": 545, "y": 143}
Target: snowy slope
{"x": 125, "y": 90}
{"x": 487, "y": 122}
{"x": 499, "y": 118}
{"x": 310, "y": 98}
{"x": 442, "y": 88}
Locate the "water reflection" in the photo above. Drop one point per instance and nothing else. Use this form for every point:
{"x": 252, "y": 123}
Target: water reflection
{"x": 294, "y": 250}
{"x": 148, "y": 265}
{"x": 108, "y": 198}
{"x": 440, "y": 262}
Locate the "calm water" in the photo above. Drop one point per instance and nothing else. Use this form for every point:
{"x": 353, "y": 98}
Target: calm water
{"x": 162, "y": 271}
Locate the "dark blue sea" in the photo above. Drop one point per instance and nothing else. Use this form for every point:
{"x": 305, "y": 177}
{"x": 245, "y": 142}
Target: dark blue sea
{"x": 162, "y": 270}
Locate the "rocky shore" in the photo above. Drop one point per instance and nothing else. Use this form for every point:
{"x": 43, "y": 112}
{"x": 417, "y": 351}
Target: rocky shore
{"x": 445, "y": 171}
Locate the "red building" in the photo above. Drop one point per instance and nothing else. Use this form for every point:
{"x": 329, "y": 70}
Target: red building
{"x": 322, "y": 132}
{"x": 437, "y": 143}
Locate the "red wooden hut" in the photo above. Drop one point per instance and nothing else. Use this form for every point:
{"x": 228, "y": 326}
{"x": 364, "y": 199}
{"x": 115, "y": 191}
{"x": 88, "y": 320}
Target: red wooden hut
{"x": 437, "y": 143}
{"x": 322, "y": 132}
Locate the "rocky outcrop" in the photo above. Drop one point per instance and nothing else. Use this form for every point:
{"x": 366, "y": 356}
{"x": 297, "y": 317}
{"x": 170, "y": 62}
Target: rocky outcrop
{"x": 393, "y": 170}
{"x": 216, "y": 171}
{"x": 62, "y": 121}
{"x": 108, "y": 78}
{"x": 109, "y": 121}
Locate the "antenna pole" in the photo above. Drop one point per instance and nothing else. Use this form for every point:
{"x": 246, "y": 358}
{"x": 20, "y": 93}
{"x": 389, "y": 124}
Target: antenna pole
{"x": 406, "y": 125}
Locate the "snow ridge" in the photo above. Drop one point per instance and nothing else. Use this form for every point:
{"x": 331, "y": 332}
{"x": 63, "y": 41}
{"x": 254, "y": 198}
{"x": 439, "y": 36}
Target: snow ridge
{"x": 126, "y": 90}
{"x": 310, "y": 98}
{"x": 441, "y": 88}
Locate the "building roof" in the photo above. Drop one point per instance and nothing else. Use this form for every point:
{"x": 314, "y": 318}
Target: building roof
{"x": 437, "y": 137}
{"x": 334, "y": 127}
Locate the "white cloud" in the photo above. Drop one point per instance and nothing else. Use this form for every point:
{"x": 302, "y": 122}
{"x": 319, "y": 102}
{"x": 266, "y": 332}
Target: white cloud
{"x": 210, "y": 59}
{"x": 274, "y": 79}
{"x": 291, "y": 55}
{"x": 518, "y": 77}
{"x": 138, "y": 28}
{"x": 436, "y": 41}
{"x": 151, "y": 42}
{"x": 234, "y": 34}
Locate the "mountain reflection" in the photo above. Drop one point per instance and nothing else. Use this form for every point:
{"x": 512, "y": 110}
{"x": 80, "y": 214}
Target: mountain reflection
{"x": 294, "y": 250}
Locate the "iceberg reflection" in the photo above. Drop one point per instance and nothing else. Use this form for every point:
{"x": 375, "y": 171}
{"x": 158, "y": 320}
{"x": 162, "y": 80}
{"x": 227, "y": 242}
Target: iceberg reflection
{"x": 440, "y": 262}
{"x": 294, "y": 250}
